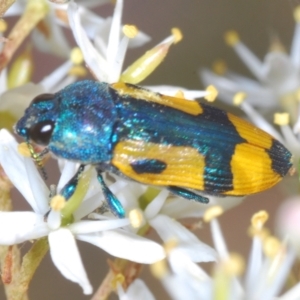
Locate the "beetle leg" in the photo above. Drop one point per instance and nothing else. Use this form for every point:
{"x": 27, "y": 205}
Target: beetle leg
{"x": 112, "y": 201}
{"x": 188, "y": 194}
{"x": 69, "y": 189}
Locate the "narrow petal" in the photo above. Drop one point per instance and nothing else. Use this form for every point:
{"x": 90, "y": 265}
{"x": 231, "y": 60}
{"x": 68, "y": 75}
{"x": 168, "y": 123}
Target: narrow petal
{"x": 82, "y": 227}
{"x": 66, "y": 257}
{"x": 114, "y": 35}
{"x": 138, "y": 290}
{"x": 18, "y": 227}
{"x": 155, "y": 206}
{"x": 22, "y": 172}
{"x": 49, "y": 82}
{"x": 188, "y": 243}
{"x": 126, "y": 245}
{"x": 94, "y": 60}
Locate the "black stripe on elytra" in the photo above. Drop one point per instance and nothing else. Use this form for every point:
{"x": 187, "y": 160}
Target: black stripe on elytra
{"x": 211, "y": 133}
{"x": 152, "y": 166}
{"x": 218, "y": 177}
{"x": 281, "y": 158}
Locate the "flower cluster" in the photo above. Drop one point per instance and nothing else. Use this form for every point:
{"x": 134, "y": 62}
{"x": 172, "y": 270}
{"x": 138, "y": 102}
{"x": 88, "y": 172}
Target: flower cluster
{"x": 55, "y": 223}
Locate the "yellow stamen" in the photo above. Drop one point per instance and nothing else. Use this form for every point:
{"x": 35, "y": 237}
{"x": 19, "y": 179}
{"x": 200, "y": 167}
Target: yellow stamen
{"x": 259, "y": 219}
{"x": 297, "y": 14}
{"x": 79, "y": 71}
{"x": 76, "y": 56}
{"x": 136, "y": 218}
{"x": 179, "y": 94}
{"x": 262, "y": 233}
{"x": 177, "y": 34}
{"x": 130, "y": 31}
{"x": 271, "y": 246}
{"x": 212, "y": 93}
{"x": 231, "y": 38}
{"x": 118, "y": 279}
{"x": 235, "y": 265}
{"x": 3, "y": 25}
{"x": 212, "y": 212}
{"x": 159, "y": 269}
{"x": 238, "y": 98}
{"x": 58, "y": 202}
{"x": 24, "y": 150}
{"x": 219, "y": 67}
{"x": 281, "y": 118}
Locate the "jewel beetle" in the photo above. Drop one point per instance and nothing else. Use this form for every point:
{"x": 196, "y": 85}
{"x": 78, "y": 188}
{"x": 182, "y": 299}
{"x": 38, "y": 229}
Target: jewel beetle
{"x": 183, "y": 145}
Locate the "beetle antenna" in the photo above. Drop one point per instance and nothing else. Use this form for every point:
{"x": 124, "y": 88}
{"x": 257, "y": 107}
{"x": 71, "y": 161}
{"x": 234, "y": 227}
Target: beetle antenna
{"x": 38, "y": 159}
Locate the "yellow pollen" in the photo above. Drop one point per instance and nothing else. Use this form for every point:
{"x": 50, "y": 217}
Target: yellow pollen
{"x": 219, "y": 67}
{"x": 3, "y": 25}
{"x": 281, "y": 119}
{"x": 58, "y": 202}
{"x": 212, "y": 93}
{"x": 130, "y": 31}
{"x": 177, "y": 35}
{"x": 238, "y": 98}
{"x": 24, "y": 150}
{"x": 259, "y": 219}
{"x": 297, "y": 14}
{"x": 212, "y": 212}
{"x": 179, "y": 94}
{"x": 231, "y": 38}
{"x": 235, "y": 265}
{"x": 77, "y": 70}
{"x": 271, "y": 246}
{"x": 136, "y": 218}
{"x": 118, "y": 279}
{"x": 76, "y": 56}
{"x": 159, "y": 269}
{"x": 170, "y": 245}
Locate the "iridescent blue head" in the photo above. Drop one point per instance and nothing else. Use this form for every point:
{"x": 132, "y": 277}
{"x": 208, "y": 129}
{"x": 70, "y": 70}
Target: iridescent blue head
{"x": 75, "y": 123}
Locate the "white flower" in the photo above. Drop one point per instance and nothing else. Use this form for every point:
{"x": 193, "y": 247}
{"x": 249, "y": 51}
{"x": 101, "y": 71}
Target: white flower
{"x": 17, "y": 227}
{"x": 268, "y": 267}
{"x": 277, "y": 77}
{"x": 162, "y": 220}
{"x": 105, "y": 59}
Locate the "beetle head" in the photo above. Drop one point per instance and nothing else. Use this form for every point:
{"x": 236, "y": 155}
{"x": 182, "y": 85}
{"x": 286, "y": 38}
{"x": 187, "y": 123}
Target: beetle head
{"x": 39, "y": 118}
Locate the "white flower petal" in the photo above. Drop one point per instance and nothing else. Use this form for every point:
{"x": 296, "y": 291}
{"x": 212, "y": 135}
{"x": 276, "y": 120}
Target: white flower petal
{"x": 18, "y": 227}
{"x": 66, "y": 257}
{"x": 126, "y": 245}
{"x": 82, "y": 227}
{"x": 138, "y": 290}
{"x": 188, "y": 243}
{"x": 54, "y": 219}
{"x": 191, "y": 276}
{"x": 170, "y": 90}
{"x": 18, "y": 168}
{"x": 156, "y": 204}
{"x": 51, "y": 81}
{"x": 68, "y": 171}
{"x": 94, "y": 60}
{"x": 114, "y": 35}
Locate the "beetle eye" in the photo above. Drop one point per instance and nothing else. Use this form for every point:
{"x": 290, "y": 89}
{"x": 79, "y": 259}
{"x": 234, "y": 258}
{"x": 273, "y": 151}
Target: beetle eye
{"x": 41, "y": 132}
{"x": 42, "y": 97}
